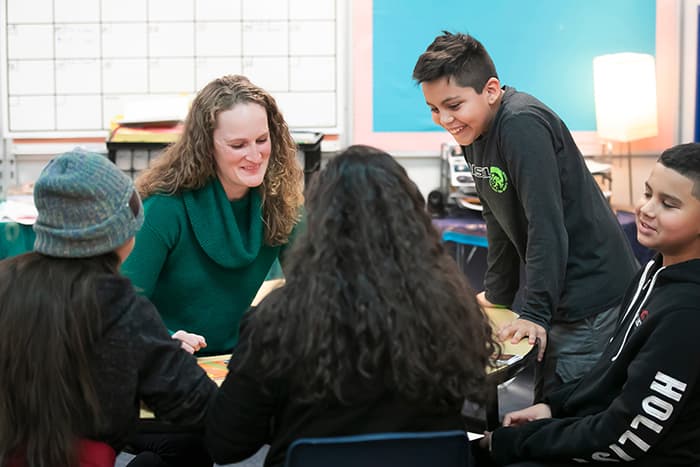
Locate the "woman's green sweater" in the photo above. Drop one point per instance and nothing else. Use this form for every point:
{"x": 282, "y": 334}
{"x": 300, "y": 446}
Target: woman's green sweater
{"x": 201, "y": 258}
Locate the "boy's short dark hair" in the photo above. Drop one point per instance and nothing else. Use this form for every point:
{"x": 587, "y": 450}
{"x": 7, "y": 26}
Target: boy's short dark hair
{"x": 458, "y": 55}
{"x": 684, "y": 159}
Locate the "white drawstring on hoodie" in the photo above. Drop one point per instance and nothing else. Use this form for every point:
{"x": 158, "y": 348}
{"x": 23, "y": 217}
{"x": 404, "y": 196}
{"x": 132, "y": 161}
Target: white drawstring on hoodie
{"x": 640, "y": 286}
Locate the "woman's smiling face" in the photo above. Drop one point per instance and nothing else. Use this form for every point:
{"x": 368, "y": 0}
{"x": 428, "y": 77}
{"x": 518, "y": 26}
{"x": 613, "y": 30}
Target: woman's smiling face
{"x": 242, "y": 148}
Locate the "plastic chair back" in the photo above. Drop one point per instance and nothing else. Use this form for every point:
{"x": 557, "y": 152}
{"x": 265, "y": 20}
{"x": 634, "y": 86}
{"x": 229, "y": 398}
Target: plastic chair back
{"x": 426, "y": 449}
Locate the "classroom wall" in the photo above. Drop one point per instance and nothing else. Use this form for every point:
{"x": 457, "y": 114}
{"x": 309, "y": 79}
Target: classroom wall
{"x": 548, "y": 56}
{"x": 418, "y": 151}
{"x": 70, "y": 67}
{"x": 364, "y": 87}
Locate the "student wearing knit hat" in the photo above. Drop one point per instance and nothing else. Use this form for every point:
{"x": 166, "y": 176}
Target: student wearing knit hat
{"x": 78, "y": 347}
{"x": 85, "y": 206}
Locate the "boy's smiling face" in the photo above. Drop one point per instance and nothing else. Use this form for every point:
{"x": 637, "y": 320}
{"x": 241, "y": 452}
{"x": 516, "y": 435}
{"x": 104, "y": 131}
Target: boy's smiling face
{"x": 463, "y": 112}
{"x": 668, "y": 215}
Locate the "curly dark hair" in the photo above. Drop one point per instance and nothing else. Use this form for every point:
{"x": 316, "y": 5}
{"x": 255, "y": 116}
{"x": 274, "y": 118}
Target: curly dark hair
{"x": 371, "y": 295}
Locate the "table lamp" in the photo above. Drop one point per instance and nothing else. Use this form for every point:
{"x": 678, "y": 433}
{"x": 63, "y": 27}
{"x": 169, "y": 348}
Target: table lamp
{"x": 625, "y": 100}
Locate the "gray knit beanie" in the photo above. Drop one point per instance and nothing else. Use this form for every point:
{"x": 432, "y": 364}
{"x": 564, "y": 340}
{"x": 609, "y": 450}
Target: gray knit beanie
{"x": 86, "y": 206}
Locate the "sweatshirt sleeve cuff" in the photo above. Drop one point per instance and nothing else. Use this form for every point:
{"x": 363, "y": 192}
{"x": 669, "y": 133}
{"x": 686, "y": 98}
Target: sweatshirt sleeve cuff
{"x": 502, "y": 440}
{"x": 535, "y": 319}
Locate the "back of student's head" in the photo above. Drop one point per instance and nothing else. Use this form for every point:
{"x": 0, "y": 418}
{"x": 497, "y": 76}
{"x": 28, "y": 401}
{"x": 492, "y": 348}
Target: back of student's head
{"x": 366, "y": 200}
{"x": 372, "y": 299}
{"x": 684, "y": 159}
{"x": 459, "y": 56}
{"x": 49, "y": 312}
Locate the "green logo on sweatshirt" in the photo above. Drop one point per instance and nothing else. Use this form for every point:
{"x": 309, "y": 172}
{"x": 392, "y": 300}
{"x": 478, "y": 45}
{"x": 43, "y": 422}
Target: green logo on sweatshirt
{"x": 498, "y": 180}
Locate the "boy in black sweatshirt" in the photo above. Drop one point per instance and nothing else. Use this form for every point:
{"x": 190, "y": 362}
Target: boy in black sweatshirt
{"x": 640, "y": 403}
{"x": 541, "y": 205}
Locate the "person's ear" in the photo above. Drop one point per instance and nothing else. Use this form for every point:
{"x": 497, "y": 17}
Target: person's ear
{"x": 492, "y": 88}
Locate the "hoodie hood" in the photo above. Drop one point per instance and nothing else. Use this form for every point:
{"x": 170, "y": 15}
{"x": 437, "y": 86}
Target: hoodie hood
{"x": 652, "y": 278}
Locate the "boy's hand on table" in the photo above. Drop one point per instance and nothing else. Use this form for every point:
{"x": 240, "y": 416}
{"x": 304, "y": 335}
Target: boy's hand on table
{"x": 190, "y": 342}
{"x": 534, "y": 412}
{"x": 519, "y": 328}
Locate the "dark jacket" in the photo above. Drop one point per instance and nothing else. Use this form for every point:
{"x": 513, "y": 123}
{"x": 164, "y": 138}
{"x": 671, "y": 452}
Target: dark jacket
{"x": 245, "y": 416}
{"x": 543, "y": 207}
{"x": 137, "y": 360}
{"x": 641, "y": 401}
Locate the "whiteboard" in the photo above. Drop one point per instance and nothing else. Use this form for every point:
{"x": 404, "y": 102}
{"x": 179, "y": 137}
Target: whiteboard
{"x": 70, "y": 67}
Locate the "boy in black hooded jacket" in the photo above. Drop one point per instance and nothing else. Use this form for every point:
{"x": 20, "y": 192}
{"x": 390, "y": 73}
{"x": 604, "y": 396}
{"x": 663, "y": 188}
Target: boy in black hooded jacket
{"x": 641, "y": 402}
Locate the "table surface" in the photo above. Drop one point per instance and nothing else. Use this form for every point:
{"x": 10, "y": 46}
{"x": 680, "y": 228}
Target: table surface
{"x": 501, "y": 316}
{"x": 266, "y": 287}
{"x": 523, "y": 356}
{"x": 216, "y": 366}
{"x": 497, "y": 316}
{"x": 468, "y": 223}
{"x": 472, "y": 222}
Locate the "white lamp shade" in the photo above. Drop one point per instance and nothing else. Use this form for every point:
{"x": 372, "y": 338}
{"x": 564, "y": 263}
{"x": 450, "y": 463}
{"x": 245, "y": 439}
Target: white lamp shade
{"x": 625, "y": 96}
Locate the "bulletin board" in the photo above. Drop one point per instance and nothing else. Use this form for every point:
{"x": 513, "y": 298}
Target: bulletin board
{"x": 542, "y": 47}
{"x": 70, "y": 66}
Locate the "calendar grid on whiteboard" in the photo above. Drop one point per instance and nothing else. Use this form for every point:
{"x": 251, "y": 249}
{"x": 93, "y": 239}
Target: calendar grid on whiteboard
{"x": 70, "y": 75}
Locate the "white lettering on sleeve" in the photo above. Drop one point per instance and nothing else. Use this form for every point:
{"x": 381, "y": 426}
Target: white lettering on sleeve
{"x": 636, "y": 440}
{"x": 668, "y": 386}
{"x": 654, "y": 407}
{"x": 651, "y": 424}
{"x": 657, "y": 408}
{"x": 620, "y": 453}
{"x": 603, "y": 457}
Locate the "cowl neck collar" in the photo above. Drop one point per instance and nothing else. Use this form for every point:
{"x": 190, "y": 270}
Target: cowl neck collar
{"x": 217, "y": 229}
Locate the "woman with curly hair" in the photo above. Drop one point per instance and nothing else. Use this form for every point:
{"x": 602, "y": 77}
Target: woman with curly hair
{"x": 375, "y": 330}
{"x": 221, "y": 205}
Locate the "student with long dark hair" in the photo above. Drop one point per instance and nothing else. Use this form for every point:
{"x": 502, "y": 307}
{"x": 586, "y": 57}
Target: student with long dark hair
{"x": 375, "y": 330}
{"x": 78, "y": 348}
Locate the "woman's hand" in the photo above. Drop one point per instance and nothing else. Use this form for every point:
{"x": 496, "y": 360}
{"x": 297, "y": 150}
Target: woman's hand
{"x": 190, "y": 342}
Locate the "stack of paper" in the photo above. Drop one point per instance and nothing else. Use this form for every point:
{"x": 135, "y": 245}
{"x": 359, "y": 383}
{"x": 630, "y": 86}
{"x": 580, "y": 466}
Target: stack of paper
{"x": 18, "y": 210}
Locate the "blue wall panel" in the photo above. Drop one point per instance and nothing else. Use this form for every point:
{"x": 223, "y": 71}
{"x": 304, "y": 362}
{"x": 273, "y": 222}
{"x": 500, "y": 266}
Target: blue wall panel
{"x": 544, "y": 47}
